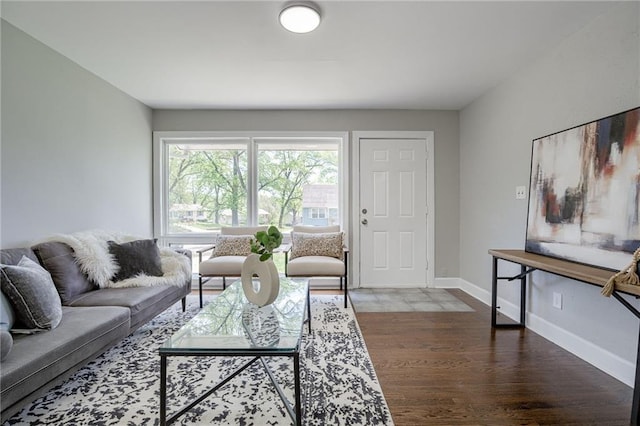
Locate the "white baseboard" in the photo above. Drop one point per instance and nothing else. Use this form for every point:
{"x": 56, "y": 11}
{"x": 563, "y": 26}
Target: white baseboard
{"x": 447, "y": 282}
{"x": 600, "y": 358}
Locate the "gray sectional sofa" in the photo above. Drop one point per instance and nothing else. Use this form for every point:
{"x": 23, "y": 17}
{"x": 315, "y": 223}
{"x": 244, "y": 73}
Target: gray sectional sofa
{"x": 92, "y": 321}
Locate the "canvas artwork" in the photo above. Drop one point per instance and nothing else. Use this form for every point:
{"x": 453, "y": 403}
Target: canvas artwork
{"x": 584, "y": 195}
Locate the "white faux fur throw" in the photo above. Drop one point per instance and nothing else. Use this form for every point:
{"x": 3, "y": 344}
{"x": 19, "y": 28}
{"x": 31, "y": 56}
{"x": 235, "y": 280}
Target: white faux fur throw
{"x": 92, "y": 254}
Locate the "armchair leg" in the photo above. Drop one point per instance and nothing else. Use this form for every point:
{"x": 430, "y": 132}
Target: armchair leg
{"x": 184, "y": 304}
{"x": 224, "y": 283}
{"x": 200, "y": 287}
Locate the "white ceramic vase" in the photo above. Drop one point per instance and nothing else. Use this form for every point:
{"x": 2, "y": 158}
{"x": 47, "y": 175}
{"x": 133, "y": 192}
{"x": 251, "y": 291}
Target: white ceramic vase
{"x": 267, "y": 276}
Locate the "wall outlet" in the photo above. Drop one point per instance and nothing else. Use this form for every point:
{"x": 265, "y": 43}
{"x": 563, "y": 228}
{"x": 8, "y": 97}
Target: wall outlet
{"x": 557, "y": 300}
{"x": 521, "y": 192}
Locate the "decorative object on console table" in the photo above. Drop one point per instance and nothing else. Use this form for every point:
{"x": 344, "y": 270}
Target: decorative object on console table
{"x": 628, "y": 275}
{"x": 583, "y": 198}
{"x": 260, "y": 263}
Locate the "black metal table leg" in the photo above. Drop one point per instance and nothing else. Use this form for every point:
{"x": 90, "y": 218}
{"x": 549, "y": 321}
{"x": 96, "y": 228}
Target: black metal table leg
{"x": 163, "y": 390}
{"x": 494, "y": 292}
{"x": 298, "y": 398}
{"x": 635, "y": 406}
{"x": 309, "y": 307}
{"x": 522, "y": 276}
{"x": 523, "y": 294}
{"x": 346, "y": 280}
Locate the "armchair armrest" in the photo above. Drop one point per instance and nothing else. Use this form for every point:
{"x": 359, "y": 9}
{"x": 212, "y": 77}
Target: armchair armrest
{"x": 204, "y": 250}
{"x": 284, "y": 248}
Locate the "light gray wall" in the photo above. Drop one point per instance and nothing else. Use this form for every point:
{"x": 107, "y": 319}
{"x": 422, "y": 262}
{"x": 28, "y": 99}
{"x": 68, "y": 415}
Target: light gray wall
{"x": 443, "y": 123}
{"x": 75, "y": 153}
{"x": 593, "y": 74}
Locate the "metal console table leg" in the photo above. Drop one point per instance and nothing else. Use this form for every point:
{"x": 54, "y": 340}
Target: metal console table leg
{"x": 522, "y": 276}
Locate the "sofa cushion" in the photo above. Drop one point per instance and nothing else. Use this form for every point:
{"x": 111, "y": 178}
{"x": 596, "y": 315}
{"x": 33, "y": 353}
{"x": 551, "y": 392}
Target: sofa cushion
{"x": 316, "y": 244}
{"x": 14, "y": 255}
{"x": 7, "y": 314}
{"x": 32, "y": 293}
{"x": 37, "y": 360}
{"x": 59, "y": 260}
{"x": 144, "y": 303}
{"x": 136, "y": 257}
{"x": 232, "y": 245}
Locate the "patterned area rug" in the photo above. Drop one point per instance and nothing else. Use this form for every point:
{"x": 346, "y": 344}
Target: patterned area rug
{"x": 406, "y": 300}
{"x": 121, "y": 387}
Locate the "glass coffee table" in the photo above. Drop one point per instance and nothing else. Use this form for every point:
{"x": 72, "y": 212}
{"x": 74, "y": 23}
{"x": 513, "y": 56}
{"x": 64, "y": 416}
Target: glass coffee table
{"x": 230, "y": 326}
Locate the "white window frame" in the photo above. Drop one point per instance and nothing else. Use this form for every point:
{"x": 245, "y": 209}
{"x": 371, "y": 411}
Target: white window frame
{"x": 162, "y": 139}
{"x": 318, "y": 213}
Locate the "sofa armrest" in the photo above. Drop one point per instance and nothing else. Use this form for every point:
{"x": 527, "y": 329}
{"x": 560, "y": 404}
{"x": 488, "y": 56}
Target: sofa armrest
{"x": 182, "y": 251}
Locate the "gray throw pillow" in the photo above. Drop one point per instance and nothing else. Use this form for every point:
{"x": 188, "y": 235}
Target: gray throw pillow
{"x": 32, "y": 293}
{"x": 6, "y": 343}
{"x": 136, "y": 257}
{"x": 58, "y": 258}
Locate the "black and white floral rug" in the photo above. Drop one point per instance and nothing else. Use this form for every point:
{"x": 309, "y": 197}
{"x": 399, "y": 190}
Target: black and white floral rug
{"x": 121, "y": 387}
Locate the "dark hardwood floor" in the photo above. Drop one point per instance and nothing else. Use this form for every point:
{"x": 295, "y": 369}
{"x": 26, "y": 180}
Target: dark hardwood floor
{"x": 441, "y": 368}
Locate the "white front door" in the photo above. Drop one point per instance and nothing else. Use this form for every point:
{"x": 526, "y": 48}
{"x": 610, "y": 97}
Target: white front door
{"x": 393, "y": 212}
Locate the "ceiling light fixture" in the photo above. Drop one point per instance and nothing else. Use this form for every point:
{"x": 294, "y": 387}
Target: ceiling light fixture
{"x": 300, "y": 17}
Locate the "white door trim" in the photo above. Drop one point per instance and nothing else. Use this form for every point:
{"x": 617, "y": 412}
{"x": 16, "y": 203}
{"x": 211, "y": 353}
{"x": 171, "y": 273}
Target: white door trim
{"x": 428, "y": 136}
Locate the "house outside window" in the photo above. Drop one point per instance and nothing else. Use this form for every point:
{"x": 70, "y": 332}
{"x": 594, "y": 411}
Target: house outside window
{"x": 318, "y": 200}
{"x": 317, "y": 213}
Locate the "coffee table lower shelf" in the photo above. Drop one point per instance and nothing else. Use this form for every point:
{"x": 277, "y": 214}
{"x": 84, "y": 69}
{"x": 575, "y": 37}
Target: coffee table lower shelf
{"x": 294, "y": 409}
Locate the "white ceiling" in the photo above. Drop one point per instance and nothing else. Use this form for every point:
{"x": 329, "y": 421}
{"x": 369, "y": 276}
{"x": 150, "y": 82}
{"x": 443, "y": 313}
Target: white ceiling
{"x": 365, "y": 54}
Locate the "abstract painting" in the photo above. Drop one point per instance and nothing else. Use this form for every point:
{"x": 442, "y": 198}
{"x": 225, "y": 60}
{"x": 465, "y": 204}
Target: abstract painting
{"x": 584, "y": 195}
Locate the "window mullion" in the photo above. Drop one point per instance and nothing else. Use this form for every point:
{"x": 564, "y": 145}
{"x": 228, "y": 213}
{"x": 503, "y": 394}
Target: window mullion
{"x": 252, "y": 182}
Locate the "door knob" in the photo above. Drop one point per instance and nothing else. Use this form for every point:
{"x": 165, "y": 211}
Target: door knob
{"x": 364, "y": 221}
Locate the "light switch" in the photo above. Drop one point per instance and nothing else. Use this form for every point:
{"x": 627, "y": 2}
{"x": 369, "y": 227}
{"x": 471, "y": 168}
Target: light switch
{"x": 557, "y": 300}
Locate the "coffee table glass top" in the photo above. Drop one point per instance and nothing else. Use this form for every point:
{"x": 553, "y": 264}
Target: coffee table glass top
{"x": 231, "y": 323}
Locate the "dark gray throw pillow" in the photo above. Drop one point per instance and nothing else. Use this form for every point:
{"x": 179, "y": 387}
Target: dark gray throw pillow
{"x": 58, "y": 258}
{"x": 32, "y": 293}
{"x": 136, "y": 257}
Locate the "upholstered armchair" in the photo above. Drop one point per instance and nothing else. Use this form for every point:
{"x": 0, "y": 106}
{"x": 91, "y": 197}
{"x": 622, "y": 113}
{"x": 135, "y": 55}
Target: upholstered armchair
{"x": 317, "y": 251}
{"x": 229, "y": 252}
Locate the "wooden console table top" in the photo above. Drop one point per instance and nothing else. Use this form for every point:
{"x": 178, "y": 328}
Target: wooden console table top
{"x": 565, "y": 268}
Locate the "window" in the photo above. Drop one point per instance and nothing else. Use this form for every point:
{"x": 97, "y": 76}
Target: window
{"x": 206, "y": 186}
{"x": 317, "y": 213}
{"x": 205, "y": 181}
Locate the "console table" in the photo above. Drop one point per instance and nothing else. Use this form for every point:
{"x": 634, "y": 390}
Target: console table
{"x": 530, "y": 262}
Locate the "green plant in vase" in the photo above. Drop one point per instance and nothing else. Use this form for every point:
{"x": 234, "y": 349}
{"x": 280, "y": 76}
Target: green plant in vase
{"x": 257, "y": 263}
{"x": 266, "y": 242}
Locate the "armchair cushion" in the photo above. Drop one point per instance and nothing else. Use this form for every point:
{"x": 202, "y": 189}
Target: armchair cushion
{"x": 232, "y": 245}
{"x": 242, "y": 230}
{"x": 222, "y": 266}
{"x": 312, "y": 266}
{"x": 316, "y": 244}
{"x": 316, "y": 229}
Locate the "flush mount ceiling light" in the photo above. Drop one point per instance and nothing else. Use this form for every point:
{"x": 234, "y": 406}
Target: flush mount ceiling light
{"x": 300, "y": 17}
